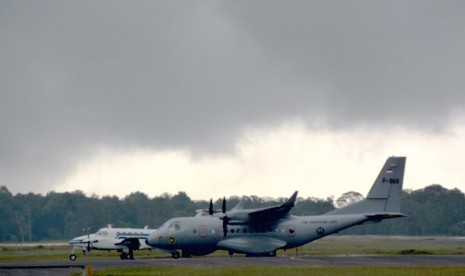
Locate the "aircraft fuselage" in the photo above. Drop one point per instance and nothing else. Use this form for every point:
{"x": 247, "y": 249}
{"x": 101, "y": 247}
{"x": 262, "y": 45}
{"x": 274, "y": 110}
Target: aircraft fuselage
{"x": 201, "y": 236}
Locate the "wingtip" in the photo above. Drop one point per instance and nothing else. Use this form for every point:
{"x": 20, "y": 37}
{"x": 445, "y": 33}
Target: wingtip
{"x": 291, "y": 200}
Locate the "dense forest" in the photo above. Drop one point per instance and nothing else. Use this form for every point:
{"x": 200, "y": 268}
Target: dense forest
{"x": 433, "y": 210}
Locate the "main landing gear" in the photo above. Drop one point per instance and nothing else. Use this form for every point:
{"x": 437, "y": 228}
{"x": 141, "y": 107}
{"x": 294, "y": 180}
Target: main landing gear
{"x": 127, "y": 256}
{"x": 175, "y": 254}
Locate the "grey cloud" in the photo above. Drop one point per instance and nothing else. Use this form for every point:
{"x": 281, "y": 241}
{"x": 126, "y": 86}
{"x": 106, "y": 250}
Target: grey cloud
{"x": 374, "y": 57}
{"x": 76, "y": 76}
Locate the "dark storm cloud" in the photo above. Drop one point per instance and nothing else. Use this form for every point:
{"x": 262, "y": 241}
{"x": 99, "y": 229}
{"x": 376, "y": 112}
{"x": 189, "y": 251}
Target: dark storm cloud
{"x": 75, "y": 76}
{"x": 374, "y": 57}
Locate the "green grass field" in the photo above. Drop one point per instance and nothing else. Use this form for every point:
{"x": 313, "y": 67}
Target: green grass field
{"x": 294, "y": 271}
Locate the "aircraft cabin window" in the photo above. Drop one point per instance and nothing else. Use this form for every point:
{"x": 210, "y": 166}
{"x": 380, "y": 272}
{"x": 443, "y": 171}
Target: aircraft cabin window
{"x": 194, "y": 231}
{"x": 244, "y": 230}
{"x": 232, "y": 230}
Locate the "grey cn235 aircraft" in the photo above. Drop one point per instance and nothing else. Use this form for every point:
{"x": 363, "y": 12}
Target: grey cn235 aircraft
{"x": 260, "y": 232}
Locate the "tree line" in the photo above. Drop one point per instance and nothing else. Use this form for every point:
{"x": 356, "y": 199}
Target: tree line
{"x": 433, "y": 210}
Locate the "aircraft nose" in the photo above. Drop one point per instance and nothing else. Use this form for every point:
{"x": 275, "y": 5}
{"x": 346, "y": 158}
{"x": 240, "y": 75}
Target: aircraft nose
{"x": 77, "y": 240}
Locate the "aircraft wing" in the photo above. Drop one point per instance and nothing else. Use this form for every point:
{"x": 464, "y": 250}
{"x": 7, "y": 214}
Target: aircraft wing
{"x": 131, "y": 243}
{"x": 253, "y": 245}
{"x": 274, "y": 213}
{"x": 382, "y": 216}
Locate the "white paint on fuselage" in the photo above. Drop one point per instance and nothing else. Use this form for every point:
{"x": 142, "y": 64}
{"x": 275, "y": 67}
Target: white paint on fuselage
{"x": 107, "y": 238}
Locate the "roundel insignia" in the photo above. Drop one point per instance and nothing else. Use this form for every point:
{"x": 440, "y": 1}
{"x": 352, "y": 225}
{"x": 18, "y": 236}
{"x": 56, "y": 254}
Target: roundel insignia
{"x": 171, "y": 240}
{"x": 320, "y": 231}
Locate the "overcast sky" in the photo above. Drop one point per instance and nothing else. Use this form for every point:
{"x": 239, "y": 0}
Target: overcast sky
{"x": 230, "y": 97}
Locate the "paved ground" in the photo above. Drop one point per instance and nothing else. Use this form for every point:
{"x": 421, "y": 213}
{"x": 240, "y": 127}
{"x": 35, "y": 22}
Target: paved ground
{"x": 316, "y": 261}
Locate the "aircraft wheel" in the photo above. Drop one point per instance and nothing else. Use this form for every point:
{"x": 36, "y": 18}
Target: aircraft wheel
{"x": 72, "y": 257}
{"x": 273, "y": 253}
{"x": 123, "y": 256}
{"x": 175, "y": 255}
{"x": 230, "y": 253}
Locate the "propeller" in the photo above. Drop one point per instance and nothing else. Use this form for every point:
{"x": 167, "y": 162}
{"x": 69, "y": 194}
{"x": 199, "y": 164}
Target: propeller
{"x": 210, "y": 208}
{"x": 225, "y": 218}
{"x": 88, "y": 246}
{"x": 223, "y": 207}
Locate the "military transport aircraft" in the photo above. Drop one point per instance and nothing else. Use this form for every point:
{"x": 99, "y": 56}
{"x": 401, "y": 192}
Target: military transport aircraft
{"x": 260, "y": 232}
{"x": 124, "y": 240}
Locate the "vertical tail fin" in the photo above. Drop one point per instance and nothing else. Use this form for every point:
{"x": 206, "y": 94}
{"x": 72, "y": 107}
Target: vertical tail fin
{"x": 386, "y": 193}
{"x": 389, "y": 184}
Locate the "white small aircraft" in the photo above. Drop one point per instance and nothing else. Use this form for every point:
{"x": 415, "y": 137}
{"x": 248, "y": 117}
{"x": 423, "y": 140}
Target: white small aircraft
{"x": 123, "y": 240}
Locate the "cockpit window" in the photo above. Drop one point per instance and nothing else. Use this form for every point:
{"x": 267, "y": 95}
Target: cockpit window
{"x": 102, "y": 233}
{"x": 174, "y": 226}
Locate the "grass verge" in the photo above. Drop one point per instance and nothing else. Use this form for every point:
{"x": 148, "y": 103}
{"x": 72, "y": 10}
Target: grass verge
{"x": 294, "y": 271}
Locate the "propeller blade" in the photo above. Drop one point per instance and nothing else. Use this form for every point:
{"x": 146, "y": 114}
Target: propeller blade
{"x": 88, "y": 240}
{"x": 225, "y": 226}
{"x": 210, "y": 208}
{"x": 223, "y": 208}
{"x": 225, "y": 218}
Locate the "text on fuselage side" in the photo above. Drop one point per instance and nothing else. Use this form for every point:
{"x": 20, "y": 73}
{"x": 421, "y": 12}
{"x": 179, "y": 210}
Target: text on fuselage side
{"x": 334, "y": 221}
